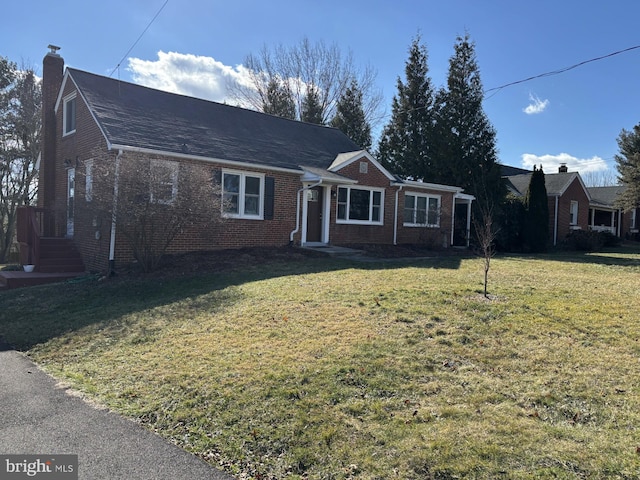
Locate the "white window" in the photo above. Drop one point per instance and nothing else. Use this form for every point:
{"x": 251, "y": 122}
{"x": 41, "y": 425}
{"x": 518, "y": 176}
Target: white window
{"x": 163, "y": 181}
{"x": 69, "y": 115}
{"x": 360, "y": 205}
{"x": 573, "y": 213}
{"x": 243, "y": 194}
{"x": 421, "y": 210}
{"x": 88, "y": 180}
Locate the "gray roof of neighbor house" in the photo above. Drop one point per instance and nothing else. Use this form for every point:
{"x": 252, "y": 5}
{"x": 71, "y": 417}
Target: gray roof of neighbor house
{"x": 605, "y": 196}
{"x": 135, "y": 116}
{"x": 555, "y": 183}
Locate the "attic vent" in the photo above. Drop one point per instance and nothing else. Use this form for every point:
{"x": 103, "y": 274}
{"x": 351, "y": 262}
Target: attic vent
{"x": 364, "y": 167}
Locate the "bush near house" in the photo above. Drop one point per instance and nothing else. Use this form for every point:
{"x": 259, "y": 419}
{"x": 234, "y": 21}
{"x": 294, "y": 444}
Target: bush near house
{"x": 590, "y": 241}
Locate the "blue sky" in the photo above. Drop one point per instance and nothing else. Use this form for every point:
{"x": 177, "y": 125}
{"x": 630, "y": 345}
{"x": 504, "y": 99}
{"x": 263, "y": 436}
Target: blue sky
{"x": 195, "y": 46}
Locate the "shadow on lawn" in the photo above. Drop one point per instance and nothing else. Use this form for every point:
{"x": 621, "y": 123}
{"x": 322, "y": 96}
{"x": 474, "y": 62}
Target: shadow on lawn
{"x": 622, "y": 256}
{"x": 31, "y": 316}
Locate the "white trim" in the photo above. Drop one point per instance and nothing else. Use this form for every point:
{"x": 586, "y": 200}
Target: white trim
{"x": 426, "y": 196}
{"x": 233, "y": 163}
{"x": 347, "y": 158}
{"x": 88, "y": 179}
{"x": 371, "y": 190}
{"x": 73, "y": 96}
{"x": 174, "y": 167}
{"x": 431, "y": 186}
{"x": 242, "y": 195}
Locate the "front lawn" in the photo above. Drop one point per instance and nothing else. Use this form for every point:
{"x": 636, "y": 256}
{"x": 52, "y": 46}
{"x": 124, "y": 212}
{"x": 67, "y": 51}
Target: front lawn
{"x": 331, "y": 369}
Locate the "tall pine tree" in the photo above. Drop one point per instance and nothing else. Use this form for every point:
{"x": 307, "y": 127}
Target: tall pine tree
{"x": 628, "y": 165}
{"x": 466, "y": 146}
{"x": 350, "y": 117}
{"x": 311, "y": 111}
{"x": 405, "y": 146}
{"x": 279, "y": 100}
{"x": 536, "y": 228}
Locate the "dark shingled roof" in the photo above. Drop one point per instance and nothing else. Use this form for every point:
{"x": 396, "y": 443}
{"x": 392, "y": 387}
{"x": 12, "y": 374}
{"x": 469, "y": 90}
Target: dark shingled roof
{"x": 508, "y": 171}
{"x": 605, "y": 196}
{"x": 555, "y": 183}
{"x": 135, "y": 116}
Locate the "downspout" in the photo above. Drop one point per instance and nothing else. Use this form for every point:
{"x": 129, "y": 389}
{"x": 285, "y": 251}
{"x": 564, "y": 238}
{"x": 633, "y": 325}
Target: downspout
{"x": 395, "y": 221}
{"x": 112, "y": 240}
{"x": 453, "y": 219}
{"x": 555, "y": 224}
{"x": 297, "y": 229}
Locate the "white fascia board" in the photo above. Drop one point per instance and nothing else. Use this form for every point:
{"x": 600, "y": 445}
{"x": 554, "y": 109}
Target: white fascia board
{"x": 464, "y": 196}
{"x": 428, "y": 186}
{"x": 184, "y": 156}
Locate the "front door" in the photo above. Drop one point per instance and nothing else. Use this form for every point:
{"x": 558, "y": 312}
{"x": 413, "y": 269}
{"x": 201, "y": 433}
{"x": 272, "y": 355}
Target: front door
{"x": 71, "y": 193}
{"x": 314, "y": 214}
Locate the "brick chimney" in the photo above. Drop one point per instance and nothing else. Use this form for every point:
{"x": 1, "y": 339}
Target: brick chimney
{"x": 563, "y": 168}
{"x": 52, "y": 72}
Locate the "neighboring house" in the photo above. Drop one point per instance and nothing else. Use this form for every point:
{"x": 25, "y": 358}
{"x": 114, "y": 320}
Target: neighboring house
{"x": 290, "y": 182}
{"x": 568, "y": 200}
{"x": 605, "y": 215}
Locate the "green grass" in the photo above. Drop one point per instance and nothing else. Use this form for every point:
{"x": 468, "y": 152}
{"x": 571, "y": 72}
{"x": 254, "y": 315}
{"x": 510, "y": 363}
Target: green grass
{"x": 323, "y": 369}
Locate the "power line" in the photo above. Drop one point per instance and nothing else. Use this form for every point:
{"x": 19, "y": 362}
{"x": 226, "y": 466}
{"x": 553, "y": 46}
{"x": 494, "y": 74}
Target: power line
{"x": 561, "y": 70}
{"x": 141, "y": 35}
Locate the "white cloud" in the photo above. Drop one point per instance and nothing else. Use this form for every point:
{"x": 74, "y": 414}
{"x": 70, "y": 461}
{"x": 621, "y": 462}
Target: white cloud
{"x": 550, "y": 163}
{"x": 536, "y": 105}
{"x": 187, "y": 74}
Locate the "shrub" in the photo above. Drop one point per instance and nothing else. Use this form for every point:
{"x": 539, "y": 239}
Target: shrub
{"x": 590, "y": 241}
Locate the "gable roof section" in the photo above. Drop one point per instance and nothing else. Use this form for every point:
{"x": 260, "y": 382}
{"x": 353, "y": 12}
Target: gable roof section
{"x": 556, "y": 183}
{"x": 137, "y": 117}
{"x": 605, "y": 196}
{"x": 347, "y": 158}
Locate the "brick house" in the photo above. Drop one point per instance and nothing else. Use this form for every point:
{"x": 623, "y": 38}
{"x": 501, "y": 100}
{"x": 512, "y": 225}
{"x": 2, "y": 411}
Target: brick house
{"x": 289, "y": 182}
{"x": 606, "y": 216}
{"x": 568, "y": 200}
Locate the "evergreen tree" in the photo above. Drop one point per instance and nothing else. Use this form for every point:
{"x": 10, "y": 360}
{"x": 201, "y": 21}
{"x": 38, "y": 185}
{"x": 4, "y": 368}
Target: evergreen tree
{"x": 279, "y": 100}
{"x": 466, "y": 140}
{"x": 350, "y": 117}
{"x": 537, "y": 213}
{"x": 405, "y": 144}
{"x": 628, "y": 165}
{"x": 311, "y": 111}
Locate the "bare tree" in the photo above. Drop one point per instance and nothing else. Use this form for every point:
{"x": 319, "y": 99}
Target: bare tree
{"x": 302, "y": 67}
{"x": 155, "y": 200}
{"x": 486, "y": 233}
{"x": 603, "y": 178}
{"x": 20, "y": 127}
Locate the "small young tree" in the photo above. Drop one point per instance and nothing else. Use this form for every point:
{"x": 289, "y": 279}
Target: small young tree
{"x": 486, "y": 233}
{"x": 153, "y": 201}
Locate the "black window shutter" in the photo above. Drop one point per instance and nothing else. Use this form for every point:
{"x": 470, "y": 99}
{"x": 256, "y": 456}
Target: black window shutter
{"x": 269, "y": 197}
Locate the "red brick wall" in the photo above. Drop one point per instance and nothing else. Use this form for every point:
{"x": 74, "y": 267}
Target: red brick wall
{"x": 574, "y": 192}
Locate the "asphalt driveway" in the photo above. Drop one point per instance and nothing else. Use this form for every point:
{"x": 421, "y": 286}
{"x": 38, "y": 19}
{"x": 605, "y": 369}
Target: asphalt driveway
{"x": 38, "y": 417}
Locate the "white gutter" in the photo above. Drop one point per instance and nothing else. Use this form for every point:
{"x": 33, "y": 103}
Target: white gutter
{"x": 297, "y": 229}
{"x": 112, "y": 240}
{"x": 395, "y": 217}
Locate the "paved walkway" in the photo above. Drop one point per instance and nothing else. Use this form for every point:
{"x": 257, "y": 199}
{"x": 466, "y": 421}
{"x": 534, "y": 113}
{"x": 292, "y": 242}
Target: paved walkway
{"x": 37, "y": 417}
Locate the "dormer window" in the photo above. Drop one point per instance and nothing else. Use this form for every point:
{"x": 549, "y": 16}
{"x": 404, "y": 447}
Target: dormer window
{"x": 69, "y": 115}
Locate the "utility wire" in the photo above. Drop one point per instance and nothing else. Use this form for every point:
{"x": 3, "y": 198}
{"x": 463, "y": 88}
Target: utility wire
{"x": 141, "y": 35}
{"x": 562, "y": 70}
